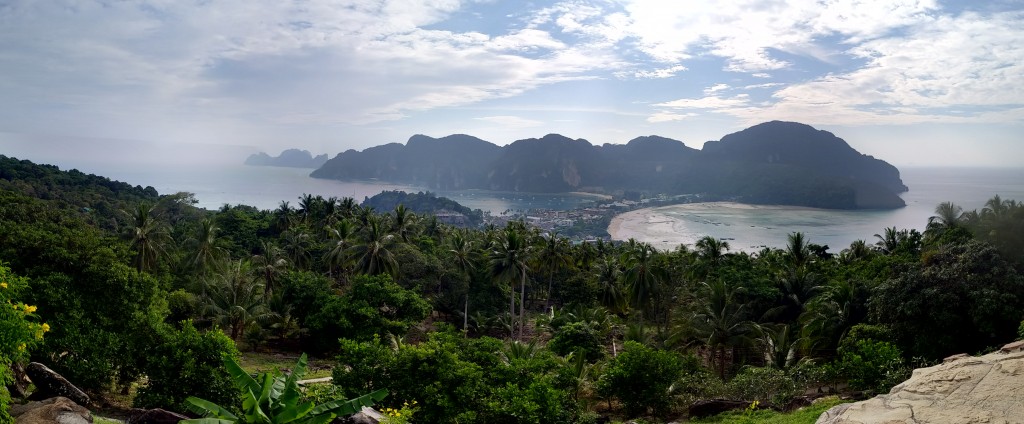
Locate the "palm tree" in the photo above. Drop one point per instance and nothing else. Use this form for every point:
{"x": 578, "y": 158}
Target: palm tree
{"x": 341, "y": 242}
{"x": 208, "y": 247}
{"x": 374, "y": 249}
{"x": 719, "y": 321}
{"x": 796, "y": 287}
{"x": 641, "y": 276}
{"x": 462, "y": 253}
{"x": 284, "y": 217}
{"x": 947, "y": 217}
{"x": 711, "y": 252}
{"x": 797, "y": 250}
{"x": 235, "y": 301}
{"x": 296, "y": 245}
{"x": 608, "y": 276}
{"x": 509, "y": 261}
{"x": 147, "y": 235}
{"x": 402, "y": 222}
{"x": 554, "y": 254}
{"x": 268, "y": 265}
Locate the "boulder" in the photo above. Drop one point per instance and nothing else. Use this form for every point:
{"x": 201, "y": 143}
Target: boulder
{"x": 50, "y": 384}
{"x": 982, "y": 389}
{"x": 156, "y": 416}
{"x": 58, "y": 410}
{"x": 365, "y": 416}
{"x": 709, "y": 407}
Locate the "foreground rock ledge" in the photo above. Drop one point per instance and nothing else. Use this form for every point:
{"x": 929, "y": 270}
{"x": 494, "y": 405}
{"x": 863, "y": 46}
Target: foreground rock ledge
{"x": 964, "y": 389}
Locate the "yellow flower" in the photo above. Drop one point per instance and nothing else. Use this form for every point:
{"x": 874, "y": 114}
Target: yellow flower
{"x": 3, "y": 285}
{"x": 30, "y": 309}
{"x": 21, "y": 346}
{"x": 46, "y": 327}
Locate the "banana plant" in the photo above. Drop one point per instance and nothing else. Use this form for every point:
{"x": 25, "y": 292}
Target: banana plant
{"x": 272, "y": 398}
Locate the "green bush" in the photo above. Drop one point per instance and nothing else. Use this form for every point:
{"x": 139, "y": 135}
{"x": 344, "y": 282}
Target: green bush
{"x": 769, "y": 386}
{"x": 1020, "y": 331}
{"x": 872, "y": 365}
{"x": 640, "y": 378}
{"x": 577, "y": 337}
{"x": 187, "y": 362}
{"x": 375, "y": 306}
{"x": 19, "y": 333}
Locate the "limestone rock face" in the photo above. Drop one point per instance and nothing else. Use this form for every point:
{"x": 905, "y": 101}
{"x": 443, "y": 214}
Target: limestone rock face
{"x": 963, "y": 389}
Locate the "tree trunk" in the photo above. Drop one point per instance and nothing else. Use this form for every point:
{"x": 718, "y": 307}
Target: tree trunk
{"x": 512, "y": 311}
{"x": 522, "y": 304}
{"x": 465, "y": 314}
{"x": 547, "y": 302}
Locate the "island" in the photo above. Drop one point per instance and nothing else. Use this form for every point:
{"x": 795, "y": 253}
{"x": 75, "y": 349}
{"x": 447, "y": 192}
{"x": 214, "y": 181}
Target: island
{"x": 292, "y": 158}
{"x": 780, "y": 163}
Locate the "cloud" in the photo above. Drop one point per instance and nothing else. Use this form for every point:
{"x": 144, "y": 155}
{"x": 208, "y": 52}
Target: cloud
{"x": 511, "y": 121}
{"x": 669, "y": 117}
{"x": 710, "y": 102}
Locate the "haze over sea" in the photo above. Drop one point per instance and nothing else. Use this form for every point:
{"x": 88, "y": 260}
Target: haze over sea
{"x": 215, "y": 183}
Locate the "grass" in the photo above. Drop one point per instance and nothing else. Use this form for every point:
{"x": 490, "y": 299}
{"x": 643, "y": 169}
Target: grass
{"x": 806, "y": 415}
{"x": 265, "y": 362}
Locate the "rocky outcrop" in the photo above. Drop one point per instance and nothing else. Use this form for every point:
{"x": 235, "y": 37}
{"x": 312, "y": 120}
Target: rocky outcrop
{"x": 58, "y": 410}
{"x": 963, "y": 389}
{"x": 50, "y": 384}
{"x": 156, "y": 416}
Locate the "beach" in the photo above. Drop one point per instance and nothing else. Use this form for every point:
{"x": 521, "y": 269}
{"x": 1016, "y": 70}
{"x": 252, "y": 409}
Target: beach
{"x": 661, "y": 227}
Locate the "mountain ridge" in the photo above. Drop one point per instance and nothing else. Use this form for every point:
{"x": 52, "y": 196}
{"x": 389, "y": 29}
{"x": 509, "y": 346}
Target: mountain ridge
{"x": 775, "y": 162}
{"x": 291, "y": 158}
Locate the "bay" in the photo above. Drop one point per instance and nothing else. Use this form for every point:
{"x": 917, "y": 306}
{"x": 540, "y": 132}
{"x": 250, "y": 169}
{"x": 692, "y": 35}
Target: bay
{"x": 750, "y": 228}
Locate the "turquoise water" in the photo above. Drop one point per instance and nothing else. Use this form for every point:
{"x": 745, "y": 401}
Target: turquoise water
{"x": 749, "y": 229}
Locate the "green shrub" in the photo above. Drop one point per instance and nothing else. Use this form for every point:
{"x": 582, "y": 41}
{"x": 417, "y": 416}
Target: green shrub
{"x": 18, "y": 333}
{"x": 769, "y": 386}
{"x": 577, "y": 337}
{"x": 1020, "y": 331}
{"x": 272, "y": 398}
{"x": 187, "y": 362}
{"x": 872, "y": 365}
{"x": 375, "y": 306}
{"x": 640, "y": 378}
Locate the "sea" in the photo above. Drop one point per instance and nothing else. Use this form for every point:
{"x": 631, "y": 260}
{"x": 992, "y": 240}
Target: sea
{"x": 752, "y": 228}
{"x": 745, "y": 229}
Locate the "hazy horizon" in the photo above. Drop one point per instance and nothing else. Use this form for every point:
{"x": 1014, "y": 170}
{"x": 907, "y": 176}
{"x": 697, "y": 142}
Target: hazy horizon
{"x": 911, "y": 82}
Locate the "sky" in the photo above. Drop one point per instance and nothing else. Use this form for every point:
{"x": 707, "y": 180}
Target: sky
{"x": 913, "y": 82}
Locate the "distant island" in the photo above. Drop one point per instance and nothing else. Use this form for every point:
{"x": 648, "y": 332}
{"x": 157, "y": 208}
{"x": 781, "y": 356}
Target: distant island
{"x": 292, "y": 158}
{"x": 783, "y": 163}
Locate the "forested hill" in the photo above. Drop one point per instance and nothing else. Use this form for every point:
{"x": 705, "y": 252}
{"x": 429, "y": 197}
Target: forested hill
{"x": 770, "y": 163}
{"x": 292, "y": 158}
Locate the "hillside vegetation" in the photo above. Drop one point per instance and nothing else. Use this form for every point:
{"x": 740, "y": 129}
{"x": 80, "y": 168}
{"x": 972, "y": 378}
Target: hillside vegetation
{"x": 493, "y": 325}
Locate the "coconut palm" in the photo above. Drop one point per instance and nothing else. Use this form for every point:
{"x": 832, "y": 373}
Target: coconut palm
{"x": 373, "y": 251}
{"x": 641, "y": 276}
{"x": 284, "y": 217}
{"x": 461, "y": 249}
{"x": 235, "y": 301}
{"x": 509, "y": 261}
{"x": 342, "y": 239}
{"x": 554, "y": 254}
{"x": 797, "y": 250}
{"x": 147, "y": 235}
{"x": 268, "y": 265}
{"x": 402, "y": 222}
{"x": 208, "y": 247}
{"x": 296, "y": 246}
{"x": 720, "y": 322}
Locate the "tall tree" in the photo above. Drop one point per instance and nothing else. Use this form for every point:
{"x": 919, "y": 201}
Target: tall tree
{"x": 554, "y": 254}
{"x": 235, "y": 301}
{"x": 642, "y": 277}
{"x": 461, "y": 249}
{"x": 147, "y": 235}
{"x": 373, "y": 252}
{"x": 509, "y": 261}
{"x": 208, "y": 247}
{"x": 720, "y": 321}
{"x": 269, "y": 264}
{"x": 342, "y": 240}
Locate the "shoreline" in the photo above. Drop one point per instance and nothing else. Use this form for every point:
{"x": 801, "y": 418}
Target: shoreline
{"x": 666, "y": 227}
